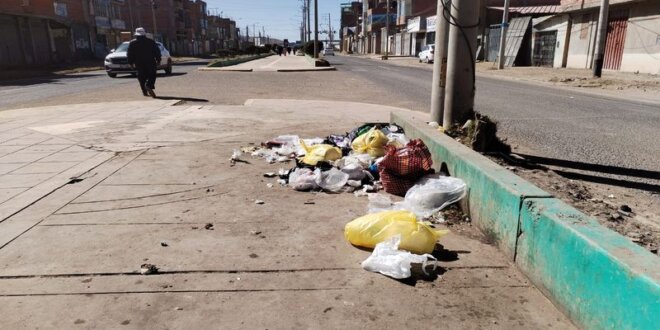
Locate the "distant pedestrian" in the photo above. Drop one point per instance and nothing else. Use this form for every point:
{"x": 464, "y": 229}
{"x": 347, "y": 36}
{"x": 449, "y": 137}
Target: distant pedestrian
{"x": 144, "y": 55}
{"x": 285, "y": 44}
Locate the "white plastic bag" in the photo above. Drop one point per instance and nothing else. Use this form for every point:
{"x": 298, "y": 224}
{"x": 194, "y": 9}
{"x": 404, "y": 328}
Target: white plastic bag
{"x": 333, "y": 180}
{"x": 380, "y": 202}
{"x": 433, "y": 193}
{"x": 388, "y": 260}
{"x": 303, "y": 179}
{"x": 354, "y": 171}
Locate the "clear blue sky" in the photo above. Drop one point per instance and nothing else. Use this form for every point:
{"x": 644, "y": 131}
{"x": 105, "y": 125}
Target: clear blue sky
{"x": 280, "y": 18}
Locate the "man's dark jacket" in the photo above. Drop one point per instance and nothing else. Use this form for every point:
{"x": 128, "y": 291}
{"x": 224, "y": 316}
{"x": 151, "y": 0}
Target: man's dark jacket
{"x": 143, "y": 52}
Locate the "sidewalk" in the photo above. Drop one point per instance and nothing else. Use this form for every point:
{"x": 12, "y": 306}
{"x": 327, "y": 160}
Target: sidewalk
{"x": 289, "y": 63}
{"x": 71, "y": 255}
{"x": 642, "y": 87}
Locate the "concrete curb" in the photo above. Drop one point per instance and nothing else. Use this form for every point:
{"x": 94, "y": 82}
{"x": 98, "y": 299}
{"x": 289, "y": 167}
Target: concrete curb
{"x": 598, "y": 278}
{"x": 222, "y": 64}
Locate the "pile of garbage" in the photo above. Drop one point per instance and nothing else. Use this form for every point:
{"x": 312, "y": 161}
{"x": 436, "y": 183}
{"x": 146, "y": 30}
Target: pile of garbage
{"x": 370, "y": 158}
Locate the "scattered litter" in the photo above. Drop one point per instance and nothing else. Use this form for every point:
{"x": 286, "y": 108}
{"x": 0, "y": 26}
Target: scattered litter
{"x": 401, "y": 168}
{"x": 259, "y": 202}
{"x": 320, "y": 153}
{"x": 434, "y": 124}
{"x": 432, "y": 194}
{"x": 303, "y": 179}
{"x": 282, "y": 182}
{"x": 270, "y": 174}
{"x": 388, "y": 260}
{"x": 147, "y": 269}
{"x": 269, "y": 185}
{"x": 209, "y": 226}
{"x": 333, "y": 180}
{"x": 310, "y": 203}
{"x": 371, "y": 229}
{"x": 373, "y": 143}
{"x": 611, "y": 197}
{"x": 164, "y": 244}
{"x": 178, "y": 308}
{"x": 354, "y": 183}
{"x": 255, "y": 232}
{"x": 236, "y": 155}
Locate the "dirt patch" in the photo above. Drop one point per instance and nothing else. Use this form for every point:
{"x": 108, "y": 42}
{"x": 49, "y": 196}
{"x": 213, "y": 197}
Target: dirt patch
{"x": 454, "y": 219}
{"x": 629, "y": 212}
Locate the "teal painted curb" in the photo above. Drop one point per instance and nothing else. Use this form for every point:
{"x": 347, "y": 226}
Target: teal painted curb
{"x": 498, "y": 193}
{"x": 598, "y": 278}
{"x": 222, "y": 64}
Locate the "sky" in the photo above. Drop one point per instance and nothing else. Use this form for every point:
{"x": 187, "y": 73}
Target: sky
{"x": 280, "y": 18}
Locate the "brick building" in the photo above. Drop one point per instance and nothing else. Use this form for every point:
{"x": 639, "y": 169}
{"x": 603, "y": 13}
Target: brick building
{"x": 39, "y": 32}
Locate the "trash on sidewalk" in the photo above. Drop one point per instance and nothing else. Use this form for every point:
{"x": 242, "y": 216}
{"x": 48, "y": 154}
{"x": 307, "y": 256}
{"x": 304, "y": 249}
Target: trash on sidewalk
{"x": 432, "y": 194}
{"x": 388, "y": 260}
{"x": 401, "y": 168}
{"x": 371, "y": 229}
{"x": 372, "y": 143}
{"x": 320, "y": 153}
{"x": 148, "y": 269}
{"x": 333, "y": 180}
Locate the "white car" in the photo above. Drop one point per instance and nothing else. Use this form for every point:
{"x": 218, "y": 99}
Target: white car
{"x": 328, "y": 51}
{"x": 426, "y": 55}
{"x": 117, "y": 61}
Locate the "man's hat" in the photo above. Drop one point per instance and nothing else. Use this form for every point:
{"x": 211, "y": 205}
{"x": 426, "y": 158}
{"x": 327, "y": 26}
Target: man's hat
{"x": 140, "y": 32}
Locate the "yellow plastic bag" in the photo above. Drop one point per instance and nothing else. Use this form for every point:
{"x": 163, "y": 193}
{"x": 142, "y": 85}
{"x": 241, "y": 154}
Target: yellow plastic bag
{"x": 371, "y": 229}
{"x": 319, "y": 152}
{"x": 372, "y": 142}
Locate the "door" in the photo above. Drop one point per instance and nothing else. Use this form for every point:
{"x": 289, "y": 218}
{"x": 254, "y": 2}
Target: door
{"x": 494, "y": 36}
{"x": 616, "y": 38}
{"x": 544, "y": 48}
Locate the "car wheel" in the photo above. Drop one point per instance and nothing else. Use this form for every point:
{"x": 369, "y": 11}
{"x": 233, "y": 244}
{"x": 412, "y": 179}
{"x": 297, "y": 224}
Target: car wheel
{"x": 168, "y": 69}
{"x": 112, "y": 75}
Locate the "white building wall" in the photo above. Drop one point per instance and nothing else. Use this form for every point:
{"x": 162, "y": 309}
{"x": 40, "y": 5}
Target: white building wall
{"x": 582, "y": 40}
{"x": 642, "y": 47}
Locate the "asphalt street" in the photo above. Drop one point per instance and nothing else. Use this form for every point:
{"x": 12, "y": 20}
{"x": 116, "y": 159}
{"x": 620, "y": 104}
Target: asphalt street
{"x": 609, "y": 137}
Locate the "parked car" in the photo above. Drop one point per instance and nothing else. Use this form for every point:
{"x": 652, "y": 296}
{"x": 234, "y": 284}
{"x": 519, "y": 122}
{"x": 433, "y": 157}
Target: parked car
{"x": 328, "y": 51}
{"x": 117, "y": 61}
{"x": 426, "y": 55}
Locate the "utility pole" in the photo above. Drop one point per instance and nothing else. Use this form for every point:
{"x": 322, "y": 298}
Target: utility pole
{"x": 459, "y": 95}
{"x": 309, "y": 21}
{"x": 154, "y": 6}
{"x": 329, "y": 30}
{"x": 505, "y": 27}
{"x": 601, "y": 38}
{"x": 303, "y": 32}
{"x": 316, "y": 28}
{"x": 387, "y": 28}
{"x": 440, "y": 61}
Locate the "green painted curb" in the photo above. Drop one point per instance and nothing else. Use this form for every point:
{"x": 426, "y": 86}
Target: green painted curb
{"x": 498, "y": 193}
{"x": 598, "y": 278}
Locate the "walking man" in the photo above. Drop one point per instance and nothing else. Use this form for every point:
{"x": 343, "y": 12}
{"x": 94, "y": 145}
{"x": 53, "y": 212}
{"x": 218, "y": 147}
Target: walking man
{"x": 144, "y": 55}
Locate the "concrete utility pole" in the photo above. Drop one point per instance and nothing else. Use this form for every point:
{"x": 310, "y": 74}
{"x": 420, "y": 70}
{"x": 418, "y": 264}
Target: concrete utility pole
{"x": 505, "y": 27}
{"x": 387, "y": 28}
{"x": 309, "y": 21}
{"x": 601, "y": 38}
{"x": 303, "y": 30}
{"x": 440, "y": 62}
{"x": 153, "y": 16}
{"x": 459, "y": 96}
{"x": 316, "y": 28}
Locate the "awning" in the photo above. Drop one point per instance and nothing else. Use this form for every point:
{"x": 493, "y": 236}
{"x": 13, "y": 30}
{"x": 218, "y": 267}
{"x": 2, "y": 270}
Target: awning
{"x": 532, "y": 10}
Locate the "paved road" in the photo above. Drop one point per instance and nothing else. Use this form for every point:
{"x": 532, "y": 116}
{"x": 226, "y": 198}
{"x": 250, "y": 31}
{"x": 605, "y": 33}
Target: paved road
{"x": 618, "y": 135}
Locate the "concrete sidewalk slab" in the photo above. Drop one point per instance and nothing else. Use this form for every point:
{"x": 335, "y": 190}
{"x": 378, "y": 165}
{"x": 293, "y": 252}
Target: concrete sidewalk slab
{"x": 73, "y": 256}
{"x": 273, "y": 64}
